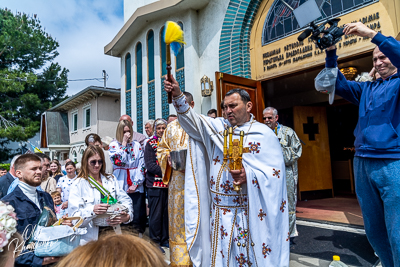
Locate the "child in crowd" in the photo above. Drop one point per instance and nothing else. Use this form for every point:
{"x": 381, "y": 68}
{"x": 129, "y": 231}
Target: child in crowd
{"x": 57, "y": 204}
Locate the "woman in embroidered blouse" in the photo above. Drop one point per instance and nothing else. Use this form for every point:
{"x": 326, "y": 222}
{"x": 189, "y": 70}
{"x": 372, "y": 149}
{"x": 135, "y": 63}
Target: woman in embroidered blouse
{"x": 157, "y": 191}
{"x": 85, "y": 199}
{"x": 65, "y": 183}
{"x": 127, "y": 158}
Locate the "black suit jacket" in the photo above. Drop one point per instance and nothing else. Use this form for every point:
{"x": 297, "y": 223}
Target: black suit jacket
{"x": 5, "y": 182}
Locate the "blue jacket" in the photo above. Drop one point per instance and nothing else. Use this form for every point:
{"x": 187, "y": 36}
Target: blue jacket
{"x": 379, "y": 110}
{"x": 5, "y": 182}
{"x": 28, "y": 214}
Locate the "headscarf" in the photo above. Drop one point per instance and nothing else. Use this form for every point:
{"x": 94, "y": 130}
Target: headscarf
{"x": 158, "y": 122}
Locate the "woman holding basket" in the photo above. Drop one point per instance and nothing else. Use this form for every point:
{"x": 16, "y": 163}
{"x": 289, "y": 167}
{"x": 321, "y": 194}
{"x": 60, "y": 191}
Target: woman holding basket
{"x": 97, "y": 197}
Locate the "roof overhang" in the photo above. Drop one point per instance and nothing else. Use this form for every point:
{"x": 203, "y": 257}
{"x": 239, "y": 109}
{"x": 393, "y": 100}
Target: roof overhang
{"x": 85, "y": 95}
{"x": 59, "y": 147}
{"x": 143, "y": 16}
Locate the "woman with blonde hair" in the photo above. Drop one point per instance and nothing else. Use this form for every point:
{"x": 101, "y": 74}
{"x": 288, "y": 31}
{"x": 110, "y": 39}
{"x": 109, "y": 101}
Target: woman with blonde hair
{"x": 115, "y": 251}
{"x": 93, "y": 191}
{"x": 127, "y": 158}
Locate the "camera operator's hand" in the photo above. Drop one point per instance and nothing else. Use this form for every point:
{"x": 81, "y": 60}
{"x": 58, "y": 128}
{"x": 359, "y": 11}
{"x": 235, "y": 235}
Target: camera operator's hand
{"x": 359, "y": 29}
{"x": 332, "y": 47}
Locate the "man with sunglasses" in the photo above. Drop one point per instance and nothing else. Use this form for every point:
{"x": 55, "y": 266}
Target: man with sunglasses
{"x": 291, "y": 148}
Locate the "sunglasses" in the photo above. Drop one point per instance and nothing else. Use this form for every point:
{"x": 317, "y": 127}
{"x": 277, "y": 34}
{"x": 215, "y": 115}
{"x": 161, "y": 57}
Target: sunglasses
{"x": 264, "y": 118}
{"x": 93, "y": 162}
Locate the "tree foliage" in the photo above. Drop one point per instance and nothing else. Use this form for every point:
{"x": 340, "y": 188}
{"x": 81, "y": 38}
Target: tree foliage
{"x": 30, "y": 82}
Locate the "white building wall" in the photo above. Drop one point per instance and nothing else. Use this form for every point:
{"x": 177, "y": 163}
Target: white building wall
{"x": 130, "y": 7}
{"x": 202, "y": 30}
{"x": 80, "y": 134}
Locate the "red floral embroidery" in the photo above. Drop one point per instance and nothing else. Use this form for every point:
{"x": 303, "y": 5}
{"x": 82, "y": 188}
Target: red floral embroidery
{"x": 227, "y": 187}
{"x": 276, "y": 172}
{"x": 223, "y": 232}
{"x": 261, "y": 215}
{"x": 283, "y": 206}
{"x": 241, "y": 260}
{"x": 266, "y": 250}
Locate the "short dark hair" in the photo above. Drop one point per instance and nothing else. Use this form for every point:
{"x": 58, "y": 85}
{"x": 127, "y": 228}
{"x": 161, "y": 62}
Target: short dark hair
{"x": 189, "y": 97}
{"x": 212, "y": 111}
{"x": 172, "y": 116}
{"x": 43, "y": 156}
{"x": 222, "y": 104}
{"x": 242, "y": 93}
{"x": 23, "y": 159}
{"x": 95, "y": 137}
{"x": 2, "y": 169}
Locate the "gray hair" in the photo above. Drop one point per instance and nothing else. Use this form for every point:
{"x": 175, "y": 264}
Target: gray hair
{"x": 149, "y": 121}
{"x": 13, "y": 160}
{"x": 274, "y": 111}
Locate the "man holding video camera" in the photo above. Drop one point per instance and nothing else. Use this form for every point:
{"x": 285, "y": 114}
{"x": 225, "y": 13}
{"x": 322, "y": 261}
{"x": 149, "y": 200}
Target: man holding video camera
{"x": 377, "y": 157}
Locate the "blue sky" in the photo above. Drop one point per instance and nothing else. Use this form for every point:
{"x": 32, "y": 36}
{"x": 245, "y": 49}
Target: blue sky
{"x": 82, "y": 28}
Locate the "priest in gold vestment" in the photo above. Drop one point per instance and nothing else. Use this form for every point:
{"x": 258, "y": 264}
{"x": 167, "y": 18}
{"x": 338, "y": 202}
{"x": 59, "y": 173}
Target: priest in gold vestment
{"x": 175, "y": 138}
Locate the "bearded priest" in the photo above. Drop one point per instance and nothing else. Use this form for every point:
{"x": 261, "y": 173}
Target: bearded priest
{"x": 234, "y": 201}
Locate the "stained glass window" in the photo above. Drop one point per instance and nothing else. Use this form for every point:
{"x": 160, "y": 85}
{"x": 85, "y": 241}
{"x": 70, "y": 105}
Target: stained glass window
{"x": 281, "y": 21}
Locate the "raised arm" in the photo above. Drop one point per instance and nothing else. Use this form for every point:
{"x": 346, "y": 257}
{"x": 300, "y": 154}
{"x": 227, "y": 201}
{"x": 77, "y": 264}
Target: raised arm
{"x": 196, "y": 126}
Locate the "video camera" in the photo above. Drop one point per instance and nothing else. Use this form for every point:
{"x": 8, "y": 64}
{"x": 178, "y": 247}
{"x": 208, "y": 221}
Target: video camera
{"x": 331, "y": 36}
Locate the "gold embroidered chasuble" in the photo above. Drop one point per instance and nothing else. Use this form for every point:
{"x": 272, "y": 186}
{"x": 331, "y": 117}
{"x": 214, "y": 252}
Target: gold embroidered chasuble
{"x": 175, "y": 138}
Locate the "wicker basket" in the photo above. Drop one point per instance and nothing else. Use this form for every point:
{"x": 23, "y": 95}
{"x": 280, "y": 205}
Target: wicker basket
{"x": 112, "y": 212}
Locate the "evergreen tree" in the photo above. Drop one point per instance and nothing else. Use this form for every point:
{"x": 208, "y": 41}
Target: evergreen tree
{"x": 30, "y": 82}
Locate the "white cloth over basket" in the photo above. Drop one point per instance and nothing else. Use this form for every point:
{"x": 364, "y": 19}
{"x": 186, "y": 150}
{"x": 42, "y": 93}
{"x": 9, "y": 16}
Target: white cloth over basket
{"x": 112, "y": 212}
{"x": 53, "y": 233}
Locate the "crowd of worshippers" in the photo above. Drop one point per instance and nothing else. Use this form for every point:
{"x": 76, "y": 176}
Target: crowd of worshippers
{"x": 35, "y": 182}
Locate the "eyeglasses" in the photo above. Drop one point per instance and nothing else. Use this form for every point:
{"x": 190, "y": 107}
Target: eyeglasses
{"x": 93, "y": 162}
{"x": 264, "y": 118}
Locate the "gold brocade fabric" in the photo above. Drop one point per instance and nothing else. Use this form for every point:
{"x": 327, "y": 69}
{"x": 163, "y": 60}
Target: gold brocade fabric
{"x": 175, "y": 138}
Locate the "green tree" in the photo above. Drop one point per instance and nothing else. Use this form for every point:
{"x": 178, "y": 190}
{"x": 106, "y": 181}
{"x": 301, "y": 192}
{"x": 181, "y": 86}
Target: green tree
{"x": 30, "y": 82}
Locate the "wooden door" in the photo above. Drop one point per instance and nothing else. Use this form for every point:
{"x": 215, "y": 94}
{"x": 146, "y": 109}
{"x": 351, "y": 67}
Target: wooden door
{"x": 315, "y": 173}
{"x": 227, "y": 82}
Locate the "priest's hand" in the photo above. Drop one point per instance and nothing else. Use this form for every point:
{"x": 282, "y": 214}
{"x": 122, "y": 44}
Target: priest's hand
{"x": 172, "y": 86}
{"x": 239, "y": 176}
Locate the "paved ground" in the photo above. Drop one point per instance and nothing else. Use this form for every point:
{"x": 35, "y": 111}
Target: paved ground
{"x": 318, "y": 242}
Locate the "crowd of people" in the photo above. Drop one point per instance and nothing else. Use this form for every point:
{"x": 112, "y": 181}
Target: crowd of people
{"x": 207, "y": 209}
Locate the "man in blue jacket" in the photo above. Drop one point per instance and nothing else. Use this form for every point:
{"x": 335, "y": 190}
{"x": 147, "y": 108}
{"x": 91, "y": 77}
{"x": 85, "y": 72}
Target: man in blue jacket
{"x": 377, "y": 157}
{"x": 29, "y": 203}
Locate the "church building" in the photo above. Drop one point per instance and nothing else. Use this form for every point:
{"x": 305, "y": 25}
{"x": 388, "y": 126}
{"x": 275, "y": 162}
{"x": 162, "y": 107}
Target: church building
{"x": 252, "y": 44}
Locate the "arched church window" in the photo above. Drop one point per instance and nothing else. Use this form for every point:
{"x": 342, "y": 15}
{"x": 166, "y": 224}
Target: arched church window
{"x": 139, "y": 81}
{"x": 281, "y": 22}
{"x": 150, "y": 80}
{"x": 128, "y": 84}
{"x": 163, "y": 65}
{"x": 180, "y": 65}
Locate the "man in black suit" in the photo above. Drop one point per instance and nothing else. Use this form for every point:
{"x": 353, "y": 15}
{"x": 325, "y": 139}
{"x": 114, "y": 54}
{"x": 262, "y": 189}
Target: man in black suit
{"x": 6, "y": 180}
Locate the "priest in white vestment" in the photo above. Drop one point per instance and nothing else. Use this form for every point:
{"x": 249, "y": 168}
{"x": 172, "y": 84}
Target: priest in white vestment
{"x": 225, "y": 227}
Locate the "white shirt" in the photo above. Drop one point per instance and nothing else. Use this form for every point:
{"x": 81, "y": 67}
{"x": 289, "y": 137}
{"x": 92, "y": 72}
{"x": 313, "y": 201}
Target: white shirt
{"x": 83, "y": 197}
{"x": 65, "y": 183}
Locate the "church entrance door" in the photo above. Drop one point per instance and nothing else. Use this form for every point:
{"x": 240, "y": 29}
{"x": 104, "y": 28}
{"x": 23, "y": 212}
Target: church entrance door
{"x": 315, "y": 173}
{"x": 227, "y": 82}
